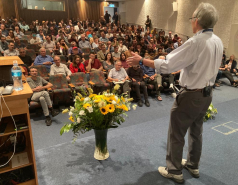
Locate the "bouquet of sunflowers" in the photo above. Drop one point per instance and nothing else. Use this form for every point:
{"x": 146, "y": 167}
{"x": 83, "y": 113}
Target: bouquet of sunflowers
{"x": 211, "y": 112}
{"x": 92, "y": 111}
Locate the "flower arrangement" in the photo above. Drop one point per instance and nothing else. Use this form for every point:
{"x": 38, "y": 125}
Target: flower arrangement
{"x": 99, "y": 112}
{"x": 211, "y": 112}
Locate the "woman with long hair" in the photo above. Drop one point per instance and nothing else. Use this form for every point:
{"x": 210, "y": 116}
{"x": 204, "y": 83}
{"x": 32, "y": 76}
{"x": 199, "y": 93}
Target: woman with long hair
{"x": 10, "y": 35}
{"x": 108, "y": 64}
{"x": 123, "y": 60}
{"x": 77, "y": 65}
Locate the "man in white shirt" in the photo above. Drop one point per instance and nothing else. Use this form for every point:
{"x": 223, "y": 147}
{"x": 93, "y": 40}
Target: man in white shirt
{"x": 58, "y": 68}
{"x": 199, "y": 59}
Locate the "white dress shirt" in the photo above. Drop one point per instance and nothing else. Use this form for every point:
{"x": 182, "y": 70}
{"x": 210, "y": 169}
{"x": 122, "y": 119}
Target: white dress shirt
{"x": 199, "y": 59}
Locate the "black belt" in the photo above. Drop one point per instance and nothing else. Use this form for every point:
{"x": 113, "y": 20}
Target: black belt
{"x": 200, "y": 90}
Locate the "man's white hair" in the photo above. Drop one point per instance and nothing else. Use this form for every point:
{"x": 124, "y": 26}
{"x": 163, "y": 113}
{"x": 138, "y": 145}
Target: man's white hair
{"x": 42, "y": 49}
{"x": 207, "y": 15}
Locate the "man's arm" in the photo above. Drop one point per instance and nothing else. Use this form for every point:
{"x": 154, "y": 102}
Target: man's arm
{"x": 49, "y": 85}
{"x": 88, "y": 67}
{"x": 110, "y": 77}
{"x": 178, "y": 59}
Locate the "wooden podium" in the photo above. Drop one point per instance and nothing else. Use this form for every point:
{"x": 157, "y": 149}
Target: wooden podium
{"x": 18, "y": 105}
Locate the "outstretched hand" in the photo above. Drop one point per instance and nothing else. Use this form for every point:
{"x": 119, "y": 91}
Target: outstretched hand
{"x": 134, "y": 60}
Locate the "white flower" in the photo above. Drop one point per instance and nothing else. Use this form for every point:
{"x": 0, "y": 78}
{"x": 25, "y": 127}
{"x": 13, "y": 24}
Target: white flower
{"x": 116, "y": 98}
{"x": 114, "y": 102}
{"x": 78, "y": 120}
{"x": 101, "y": 104}
{"x": 81, "y": 113}
{"x": 86, "y": 99}
{"x": 71, "y": 108}
{"x": 134, "y": 106}
{"x": 70, "y": 113}
{"x": 90, "y": 109}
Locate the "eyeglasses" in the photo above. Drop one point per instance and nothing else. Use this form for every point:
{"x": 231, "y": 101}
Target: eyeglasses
{"x": 190, "y": 19}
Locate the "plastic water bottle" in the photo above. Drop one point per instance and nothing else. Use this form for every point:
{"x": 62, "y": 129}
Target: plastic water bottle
{"x": 17, "y": 77}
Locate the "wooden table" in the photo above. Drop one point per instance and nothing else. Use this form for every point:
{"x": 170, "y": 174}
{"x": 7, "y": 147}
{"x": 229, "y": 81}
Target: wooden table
{"x": 17, "y": 103}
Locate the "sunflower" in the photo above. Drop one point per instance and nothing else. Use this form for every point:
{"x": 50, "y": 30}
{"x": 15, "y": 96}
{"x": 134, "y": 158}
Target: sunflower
{"x": 124, "y": 107}
{"x": 87, "y": 105}
{"x": 92, "y": 95}
{"x": 81, "y": 99}
{"x": 71, "y": 118}
{"x": 104, "y": 110}
{"x": 110, "y": 108}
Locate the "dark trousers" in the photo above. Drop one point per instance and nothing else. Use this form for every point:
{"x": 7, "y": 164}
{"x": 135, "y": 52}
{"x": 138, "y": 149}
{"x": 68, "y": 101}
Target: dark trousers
{"x": 137, "y": 89}
{"x": 228, "y": 75}
{"x": 170, "y": 77}
{"x": 187, "y": 114}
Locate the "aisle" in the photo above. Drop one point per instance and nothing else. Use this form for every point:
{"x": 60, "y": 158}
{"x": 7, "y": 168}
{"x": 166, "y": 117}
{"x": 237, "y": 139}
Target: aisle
{"x": 138, "y": 148}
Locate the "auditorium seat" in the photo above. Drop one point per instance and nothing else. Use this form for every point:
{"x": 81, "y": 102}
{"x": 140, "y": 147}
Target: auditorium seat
{"x": 60, "y": 92}
{"x": 98, "y": 82}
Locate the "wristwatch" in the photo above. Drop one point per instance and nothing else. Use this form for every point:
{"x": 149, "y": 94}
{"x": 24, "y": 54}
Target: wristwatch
{"x": 141, "y": 61}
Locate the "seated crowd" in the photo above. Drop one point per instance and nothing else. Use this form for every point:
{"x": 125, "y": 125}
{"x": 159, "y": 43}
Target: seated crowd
{"x": 87, "y": 46}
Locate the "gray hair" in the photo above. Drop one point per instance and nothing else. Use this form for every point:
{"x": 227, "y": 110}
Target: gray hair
{"x": 42, "y": 49}
{"x": 207, "y": 15}
{"x": 118, "y": 61}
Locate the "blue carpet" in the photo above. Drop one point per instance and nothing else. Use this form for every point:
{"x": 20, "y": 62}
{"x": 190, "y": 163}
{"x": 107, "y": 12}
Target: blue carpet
{"x": 137, "y": 148}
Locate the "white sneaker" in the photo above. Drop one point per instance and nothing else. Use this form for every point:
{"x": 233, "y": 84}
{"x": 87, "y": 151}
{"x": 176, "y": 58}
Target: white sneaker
{"x": 193, "y": 172}
{"x": 176, "y": 178}
{"x": 174, "y": 95}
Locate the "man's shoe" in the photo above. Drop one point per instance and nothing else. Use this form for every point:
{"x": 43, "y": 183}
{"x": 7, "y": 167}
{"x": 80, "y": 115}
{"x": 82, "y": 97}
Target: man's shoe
{"x": 140, "y": 103}
{"x": 48, "y": 121}
{"x": 54, "y": 112}
{"x": 173, "y": 95}
{"x": 147, "y": 103}
{"x": 193, "y": 172}
{"x": 176, "y": 178}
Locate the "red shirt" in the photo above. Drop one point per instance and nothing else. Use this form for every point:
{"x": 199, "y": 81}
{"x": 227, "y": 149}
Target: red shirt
{"x": 75, "y": 69}
{"x": 97, "y": 64}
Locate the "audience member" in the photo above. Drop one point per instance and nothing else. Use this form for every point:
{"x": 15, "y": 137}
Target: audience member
{"x": 18, "y": 44}
{"x": 35, "y": 40}
{"x": 108, "y": 64}
{"x": 102, "y": 53}
{"x": 58, "y": 68}
{"x": 17, "y": 32}
{"x": 38, "y": 86}
{"x": 103, "y": 37}
{"x": 231, "y": 64}
{"x": 77, "y": 65}
{"x": 4, "y": 30}
{"x": 24, "y": 26}
{"x": 50, "y": 45}
{"x": 11, "y": 51}
{"x": 93, "y": 64}
{"x": 121, "y": 47}
{"x": 84, "y": 43}
{"x": 43, "y": 59}
{"x": 118, "y": 74}
{"x": 116, "y": 54}
{"x": 26, "y": 59}
{"x": 136, "y": 75}
{"x": 3, "y": 45}
{"x": 10, "y": 35}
